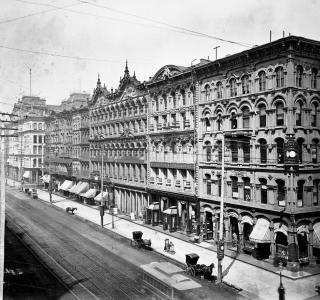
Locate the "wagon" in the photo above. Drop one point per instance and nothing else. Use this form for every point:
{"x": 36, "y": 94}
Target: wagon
{"x": 138, "y": 242}
{"x": 195, "y": 269}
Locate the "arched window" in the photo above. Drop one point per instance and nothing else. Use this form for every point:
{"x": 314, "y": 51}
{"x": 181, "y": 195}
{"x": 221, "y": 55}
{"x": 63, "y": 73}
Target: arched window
{"x": 233, "y": 87}
{"x": 300, "y": 149}
{"x": 263, "y": 151}
{"x": 234, "y": 151}
{"x": 262, "y": 115}
{"x": 299, "y": 113}
{"x": 234, "y": 186}
{"x": 314, "y": 107}
{"x": 208, "y": 183}
{"x": 233, "y": 120}
{"x": 245, "y": 84}
{"x": 280, "y": 154}
{"x": 279, "y": 114}
{"x": 207, "y": 124}
{"x": 281, "y": 197}
{"x": 314, "y": 74}
{"x": 314, "y": 151}
{"x": 262, "y": 80}
{"x": 299, "y": 76}
{"x": 300, "y": 184}
{"x": 245, "y": 117}
{"x": 263, "y": 191}
{"x": 219, "y": 90}
{"x": 207, "y": 92}
{"x": 279, "y": 77}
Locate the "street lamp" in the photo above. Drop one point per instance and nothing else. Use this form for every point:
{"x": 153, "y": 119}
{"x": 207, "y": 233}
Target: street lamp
{"x": 281, "y": 289}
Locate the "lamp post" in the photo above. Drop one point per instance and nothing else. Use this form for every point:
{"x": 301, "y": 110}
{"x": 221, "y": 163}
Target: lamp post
{"x": 281, "y": 289}
{"x": 102, "y": 201}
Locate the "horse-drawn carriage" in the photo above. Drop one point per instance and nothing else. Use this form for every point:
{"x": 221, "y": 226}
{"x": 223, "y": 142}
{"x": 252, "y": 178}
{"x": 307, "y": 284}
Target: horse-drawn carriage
{"x": 195, "y": 269}
{"x": 138, "y": 242}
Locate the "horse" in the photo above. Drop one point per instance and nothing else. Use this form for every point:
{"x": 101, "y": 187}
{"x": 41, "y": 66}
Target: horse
{"x": 70, "y": 210}
{"x": 207, "y": 272}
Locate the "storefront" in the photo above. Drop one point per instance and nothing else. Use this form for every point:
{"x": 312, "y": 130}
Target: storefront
{"x": 170, "y": 218}
{"x": 261, "y": 236}
{"x": 153, "y": 214}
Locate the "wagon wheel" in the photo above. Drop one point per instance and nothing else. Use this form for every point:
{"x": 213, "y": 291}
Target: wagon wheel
{"x": 187, "y": 269}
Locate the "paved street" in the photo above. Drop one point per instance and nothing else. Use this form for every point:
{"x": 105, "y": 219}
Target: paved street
{"x": 94, "y": 264}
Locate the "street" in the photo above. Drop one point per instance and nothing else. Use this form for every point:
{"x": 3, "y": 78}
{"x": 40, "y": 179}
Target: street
{"x": 92, "y": 263}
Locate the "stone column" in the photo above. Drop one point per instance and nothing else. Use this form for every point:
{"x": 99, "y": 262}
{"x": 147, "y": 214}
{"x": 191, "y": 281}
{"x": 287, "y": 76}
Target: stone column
{"x": 240, "y": 226}
{"x": 310, "y": 244}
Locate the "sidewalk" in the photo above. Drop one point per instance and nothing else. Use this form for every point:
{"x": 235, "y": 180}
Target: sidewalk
{"x": 261, "y": 281}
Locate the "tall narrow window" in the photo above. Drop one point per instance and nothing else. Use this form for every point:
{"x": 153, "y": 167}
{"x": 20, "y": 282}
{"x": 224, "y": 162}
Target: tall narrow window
{"x": 246, "y": 151}
{"x": 262, "y": 80}
{"x": 246, "y": 189}
{"x": 281, "y": 192}
{"x": 219, "y": 90}
{"x": 207, "y": 125}
{"x": 314, "y": 151}
{"x": 245, "y": 117}
{"x": 219, "y": 122}
{"x": 262, "y": 115}
{"x": 279, "y": 77}
{"x": 314, "y": 107}
{"x": 245, "y": 84}
{"x": 234, "y": 186}
{"x": 219, "y": 147}
{"x": 263, "y": 191}
{"x": 279, "y": 114}
{"x": 209, "y": 151}
{"x": 280, "y": 154}
{"x": 233, "y": 87}
{"x": 219, "y": 186}
{"x": 234, "y": 151}
{"x": 208, "y": 184}
{"x": 233, "y": 120}
{"x": 299, "y": 76}
{"x": 300, "y": 193}
{"x": 207, "y": 92}
{"x": 263, "y": 151}
{"x": 300, "y": 150}
{"x": 314, "y": 74}
{"x": 299, "y": 114}
{"x": 316, "y": 191}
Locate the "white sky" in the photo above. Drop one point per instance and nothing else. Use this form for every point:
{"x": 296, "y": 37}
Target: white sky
{"x": 101, "y": 33}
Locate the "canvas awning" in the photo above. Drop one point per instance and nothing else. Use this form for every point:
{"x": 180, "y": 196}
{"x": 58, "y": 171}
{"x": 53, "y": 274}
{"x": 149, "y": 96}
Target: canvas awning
{"x": 247, "y": 219}
{"x": 260, "y": 232}
{"x": 82, "y": 188}
{"x": 89, "y": 194}
{"x": 280, "y": 227}
{"x": 26, "y": 174}
{"x": 98, "y": 197}
{"x": 171, "y": 210}
{"x": 74, "y": 188}
{"x": 67, "y": 184}
{"x": 316, "y": 235}
{"x": 46, "y": 178}
{"x": 154, "y": 206}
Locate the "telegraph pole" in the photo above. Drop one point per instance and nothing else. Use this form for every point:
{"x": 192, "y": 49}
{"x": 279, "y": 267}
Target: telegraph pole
{"x": 216, "y": 48}
{"x": 220, "y": 250}
{"x": 102, "y": 201}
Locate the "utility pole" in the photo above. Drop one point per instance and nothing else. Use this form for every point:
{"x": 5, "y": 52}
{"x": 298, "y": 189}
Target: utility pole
{"x": 216, "y": 48}
{"x": 220, "y": 250}
{"x": 30, "y": 80}
{"x": 102, "y": 201}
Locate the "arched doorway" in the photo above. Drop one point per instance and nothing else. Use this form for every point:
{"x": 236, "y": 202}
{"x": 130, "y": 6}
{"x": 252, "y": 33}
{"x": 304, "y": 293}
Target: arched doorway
{"x": 234, "y": 230}
{"x": 208, "y": 224}
{"x": 303, "y": 243}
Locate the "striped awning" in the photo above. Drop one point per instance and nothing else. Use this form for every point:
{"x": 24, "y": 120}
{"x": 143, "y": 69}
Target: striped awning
{"x": 247, "y": 219}
{"x": 82, "y": 188}
{"x": 98, "y": 197}
{"x": 154, "y": 206}
{"x": 260, "y": 232}
{"x": 280, "y": 227}
{"x": 89, "y": 194}
{"x": 46, "y": 178}
{"x": 171, "y": 210}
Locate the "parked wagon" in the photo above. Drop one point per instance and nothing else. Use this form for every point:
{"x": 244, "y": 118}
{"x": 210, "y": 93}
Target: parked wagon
{"x": 138, "y": 242}
{"x": 195, "y": 269}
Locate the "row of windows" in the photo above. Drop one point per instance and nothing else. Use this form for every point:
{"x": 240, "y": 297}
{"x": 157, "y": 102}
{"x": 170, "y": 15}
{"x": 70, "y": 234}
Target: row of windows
{"x": 232, "y": 84}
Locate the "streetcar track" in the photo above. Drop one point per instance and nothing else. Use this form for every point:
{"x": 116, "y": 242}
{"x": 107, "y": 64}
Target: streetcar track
{"x": 127, "y": 288}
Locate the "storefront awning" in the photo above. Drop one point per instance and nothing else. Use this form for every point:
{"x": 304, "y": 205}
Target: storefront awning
{"x": 247, "y": 219}
{"x": 316, "y": 235}
{"x": 260, "y": 232}
{"x": 89, "y": 194}
{"x": 98, "y": 198}
{"x": 46, "y": 178}
{"x": 82, "y": 188}
{"x": 280, "y": 227}
{"x": 67, "y": 184}
{"x": 303, "y": 228}
{"x": 171, "y": 210}
{"x": 74, "y": 188}
{"x": 26, "y": 174}
{"x": 154, "y": 206}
